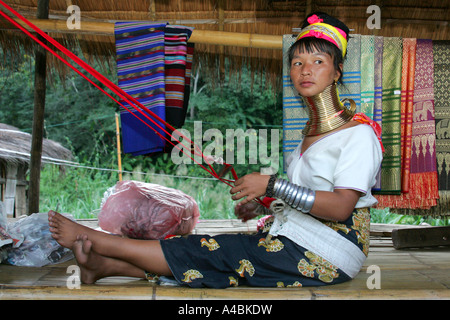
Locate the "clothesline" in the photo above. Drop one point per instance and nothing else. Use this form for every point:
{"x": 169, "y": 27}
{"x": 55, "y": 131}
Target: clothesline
{"x": 77, "y": 165}
{"x": 187, "y": 120}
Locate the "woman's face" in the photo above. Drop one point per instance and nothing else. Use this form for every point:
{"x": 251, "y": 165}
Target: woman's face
{"x": 311, "y": 73}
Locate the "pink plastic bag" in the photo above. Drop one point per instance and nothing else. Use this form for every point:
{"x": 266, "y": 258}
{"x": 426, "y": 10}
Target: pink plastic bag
{"x": 147, "y": 211}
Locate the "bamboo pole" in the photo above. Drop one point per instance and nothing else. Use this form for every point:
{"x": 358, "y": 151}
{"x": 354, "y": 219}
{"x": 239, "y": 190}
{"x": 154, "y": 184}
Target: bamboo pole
{"x": 119, "y": 157}
{"x": 224, "y": 38}
{"x": 249, "y": 40}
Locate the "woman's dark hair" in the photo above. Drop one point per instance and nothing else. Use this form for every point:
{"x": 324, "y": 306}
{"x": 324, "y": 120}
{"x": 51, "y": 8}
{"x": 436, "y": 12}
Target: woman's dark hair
{"x": 311, "y": 44}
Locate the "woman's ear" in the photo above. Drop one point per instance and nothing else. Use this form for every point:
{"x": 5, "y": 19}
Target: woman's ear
{"x": 339, "y": 72}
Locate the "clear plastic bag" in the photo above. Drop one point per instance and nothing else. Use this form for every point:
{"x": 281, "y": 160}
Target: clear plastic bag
{"x": 147, "y": 211}
{"x": 38, "y": 247}
{"x": 6, "y": 236}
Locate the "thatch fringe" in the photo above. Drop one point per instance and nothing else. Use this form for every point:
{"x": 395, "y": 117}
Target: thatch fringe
{"x": 15, "y": 146}
{"x": 414, "y": 19}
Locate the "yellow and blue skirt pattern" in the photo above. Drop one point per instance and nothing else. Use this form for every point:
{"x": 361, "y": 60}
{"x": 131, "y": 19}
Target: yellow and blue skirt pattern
{"x": 240, "y": 259}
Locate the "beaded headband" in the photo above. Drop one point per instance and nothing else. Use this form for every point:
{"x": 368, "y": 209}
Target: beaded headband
{"x": 325, "y": 31}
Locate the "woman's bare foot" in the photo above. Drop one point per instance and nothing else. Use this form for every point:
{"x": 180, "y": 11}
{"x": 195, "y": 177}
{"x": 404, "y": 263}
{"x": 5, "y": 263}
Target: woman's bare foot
{"x": 91, "y": 264}
{"x": 94, "y": 266}
{"x": 64, "y": 230}
{"x": 126, "y": 256}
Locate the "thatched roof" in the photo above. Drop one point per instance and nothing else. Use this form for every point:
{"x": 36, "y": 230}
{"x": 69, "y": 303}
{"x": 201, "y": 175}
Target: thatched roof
{"x": 15, "y": 146}
{"x": 400, "y": 18}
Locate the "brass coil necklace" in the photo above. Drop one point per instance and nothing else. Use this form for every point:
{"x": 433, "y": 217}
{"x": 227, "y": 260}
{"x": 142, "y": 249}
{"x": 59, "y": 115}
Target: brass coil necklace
{"x": 327, "y": 112}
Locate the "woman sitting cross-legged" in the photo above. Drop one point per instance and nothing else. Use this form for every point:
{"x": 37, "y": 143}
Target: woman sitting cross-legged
{"x": 322, "y": 234}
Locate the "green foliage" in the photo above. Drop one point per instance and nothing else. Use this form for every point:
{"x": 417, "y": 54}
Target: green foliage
{"x": 76, "y": 114}
{"x": 385, "y": 216}
{"x": 77, "y": 191}
{"x": 243, "y": 104}
{"x": 16, "y": 94}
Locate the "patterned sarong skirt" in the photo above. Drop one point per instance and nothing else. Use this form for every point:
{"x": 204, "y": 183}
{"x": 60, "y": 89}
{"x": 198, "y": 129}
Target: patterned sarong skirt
{"x": 246, "y": 259}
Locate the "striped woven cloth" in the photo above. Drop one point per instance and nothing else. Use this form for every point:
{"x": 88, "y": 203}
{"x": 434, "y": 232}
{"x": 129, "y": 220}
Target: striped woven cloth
{"x": 391, "y": 115}
{"x": 153, "y": 66}
{"x": 407, "y": 95}
{"x": 423, "y": 190}
{"x": 441, "y": 56}
{"x": 140, "y": 72}
{"x": 176, "y": 63}
{"x": 378, "y": 96}
{"x": 424, "y": 179}
{"x": 295, "y": 114}
{"x": 367, "y": 82}
{"x": 351, "y": 79}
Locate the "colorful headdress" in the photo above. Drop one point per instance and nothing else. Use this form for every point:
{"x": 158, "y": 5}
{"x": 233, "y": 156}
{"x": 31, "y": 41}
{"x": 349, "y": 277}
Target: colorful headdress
{"x": 328, "y": 28}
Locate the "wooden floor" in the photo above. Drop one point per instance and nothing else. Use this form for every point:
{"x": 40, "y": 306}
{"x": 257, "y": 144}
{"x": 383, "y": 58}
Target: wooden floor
{"x": 403, "y": 274}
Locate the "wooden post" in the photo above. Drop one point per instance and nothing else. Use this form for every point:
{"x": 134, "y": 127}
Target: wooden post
{"x": 38, "y": 116}
{"x": 221, "y": 23}
{"x": 308, "y": 8}
{"x": 152, "y": 10}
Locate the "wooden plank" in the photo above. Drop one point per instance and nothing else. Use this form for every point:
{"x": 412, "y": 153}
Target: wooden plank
{"x": 385, "y": 229}
{"x": 86, "y": 292}
{"x": 422, "y": 237}
{"x": 238, "y": 293}
{"x": 217, "y": 226}
{"x": 21, "y": 192}
{"x": 10, "y": 190}
{"x": 408, "y": 274}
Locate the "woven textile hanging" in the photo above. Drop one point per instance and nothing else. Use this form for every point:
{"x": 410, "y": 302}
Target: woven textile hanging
{"x": 407, "y": 95}
{"x": 378, "y": 95}
{"x": 153, "y": 64}
{"x": 178, "y": 62}
{"x": 441, "y": 81}
{"x": 391, "y": 90}
{"x": 187, "y": 85}
{"x": 367, "y": 81}
{"x": 441, "y": 59}
{"x": 441, "y": 55}
{"x": 408, "y": 72}
{"x": 295, "y": 114}
{"x": 351, "y": 79}
{"x": 175, "y": 40}
{"x": 140, "y": 71}
{"x": 423, "y": 179}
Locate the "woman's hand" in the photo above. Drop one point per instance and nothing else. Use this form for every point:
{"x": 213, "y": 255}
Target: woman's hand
{"x": 246, "y": 211}
{"x": 250, "y": 186}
